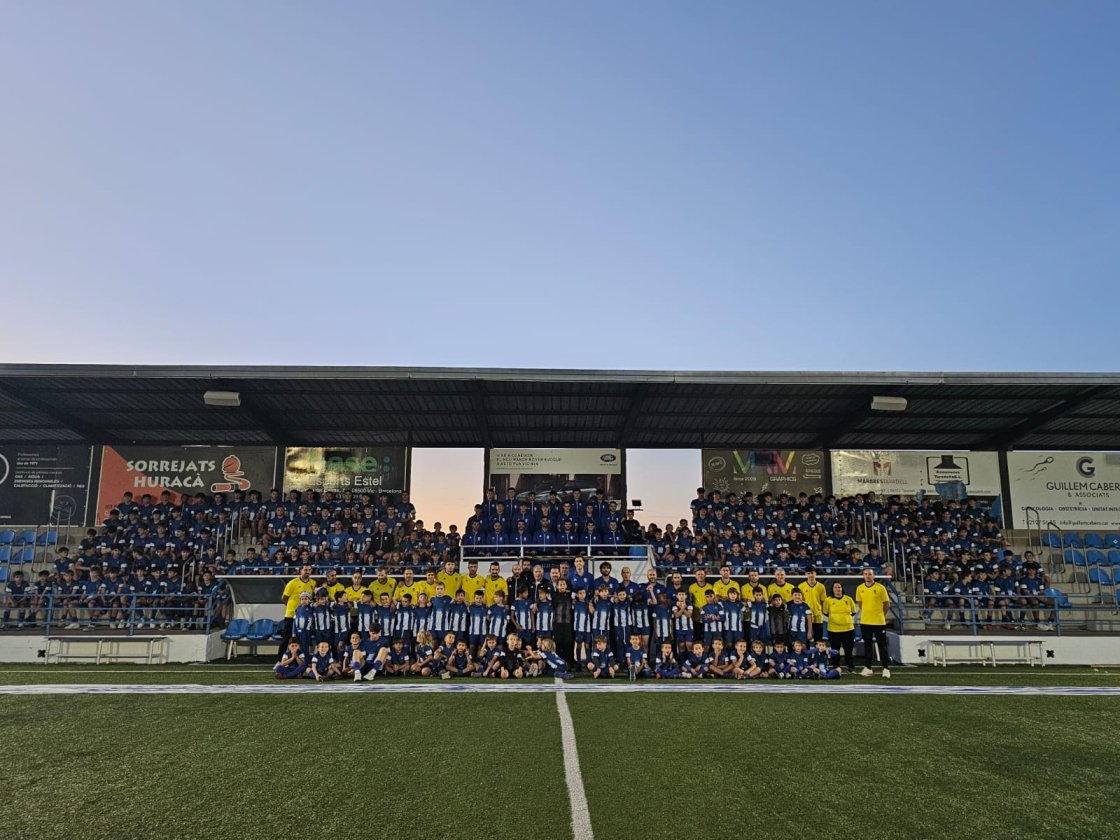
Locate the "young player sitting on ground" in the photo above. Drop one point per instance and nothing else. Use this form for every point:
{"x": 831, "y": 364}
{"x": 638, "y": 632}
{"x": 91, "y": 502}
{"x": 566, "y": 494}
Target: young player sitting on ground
{"x": 292, "y": 664}
{"x": 323, "y": 664}
{"x": 602, "y": 664}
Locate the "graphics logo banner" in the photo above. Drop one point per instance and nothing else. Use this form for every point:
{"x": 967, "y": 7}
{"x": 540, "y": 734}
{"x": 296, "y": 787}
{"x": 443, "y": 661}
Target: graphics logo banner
{"x": 756, "y": 471}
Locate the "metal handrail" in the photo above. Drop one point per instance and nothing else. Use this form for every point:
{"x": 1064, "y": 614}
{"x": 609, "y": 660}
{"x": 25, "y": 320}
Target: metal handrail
{"x": 133, "y": 611}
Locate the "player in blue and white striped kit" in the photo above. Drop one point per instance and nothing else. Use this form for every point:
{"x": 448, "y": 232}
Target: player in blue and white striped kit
{"x": 523, "y": 615}
{"x": 478, "y": 621}
{"x": 459, "y": 617}
{"x": 340, "y": 622}
{"x": 302, "y": 623}
{"x": 440, "y": 619}
{"x": 711, "y": 616}
{"x": 499, "y": 616}
{"x": 404, "y": 626}
{"x": 544, "y": 617}
{"x": 601, "y": 614}
{"x": 682, "y": 625}
{"x": 320, "y": 621}
{"x": 581, "y": 625}
{"x": 620, "y": 624}
{"x": 800, "y": 619}
{"x": 662, "y": 624}
{"x": 366, "y": 614}
{"x": 732, "y": 619}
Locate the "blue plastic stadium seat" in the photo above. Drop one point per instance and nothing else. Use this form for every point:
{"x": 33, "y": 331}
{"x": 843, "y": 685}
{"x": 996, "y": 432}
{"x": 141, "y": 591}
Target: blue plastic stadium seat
{"x": 1093, "y": 540}
{"x": 25, "y": 538}
{"x": 7, "y": 537}
{"x": 261, "y": 629}
{"x": 1098, "y": 576}
{"x": 1072, "y": 541}
{"x": 1050, "y": 540}
{"x": 1060, "y": 599}
{"x": 1095, "y": 557}
{"x": 5, "y": 554}
{"x": 237, "y": 631}
{"x": 25, "y": 555}
{"x": 1112, "y": 540}
{"x": 47, "y": 538}
{"x": 1075, "y": 556}
{"x": 1114, "y": 556}
{"x": 3, "y": 573}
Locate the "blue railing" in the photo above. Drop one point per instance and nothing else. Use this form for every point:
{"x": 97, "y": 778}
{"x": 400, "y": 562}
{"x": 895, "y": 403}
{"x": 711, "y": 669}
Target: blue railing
{"x": 131, "y": 613}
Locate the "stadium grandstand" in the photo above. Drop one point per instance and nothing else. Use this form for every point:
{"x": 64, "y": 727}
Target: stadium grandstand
{"x": 192, "y": 534}
{"x": 156, "y": 503}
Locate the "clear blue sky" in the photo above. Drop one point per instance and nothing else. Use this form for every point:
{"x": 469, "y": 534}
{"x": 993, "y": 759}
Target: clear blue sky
{"x": 653, "y": 185}
{"x": 739, "y": 185}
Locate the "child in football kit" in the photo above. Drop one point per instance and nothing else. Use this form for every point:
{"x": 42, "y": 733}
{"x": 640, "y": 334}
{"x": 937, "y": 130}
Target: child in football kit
{"x": 399, "y": 658}
{"x": 682, "y": 625}
{"x": 323, "y": 664}
{"x": 800, "y": 619}
{"x": 602, "y": 663}
{"x": 292, "y": 664}
{"x": 697, "y": 663}
{"x": 425, "y": 654}
{"x": 664, "y": 663}
{"x": 732, "y": 619}
{"x": 722, "y": 663}
{"x": 478, "y": 616}
{"x": 489, "y": 658}
{"x": 711, "y": 617}
{"x": 637, "y": 663}
{"x": 581, "y": 625}
{"x": 797, "y": 664}
{"x": 742, "y": 667}
{"x": 760, "y": 619}
{"x": 779, "y": 658}
{"x": 460, "y": 664}
{"x": 546, "y": 653}
{"x": 761, "y": 666}
{"x": 820, "y": 661}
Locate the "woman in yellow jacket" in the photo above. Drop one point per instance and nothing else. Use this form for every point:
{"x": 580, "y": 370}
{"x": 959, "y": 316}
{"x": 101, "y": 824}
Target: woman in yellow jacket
{"x": 840, "y": 610}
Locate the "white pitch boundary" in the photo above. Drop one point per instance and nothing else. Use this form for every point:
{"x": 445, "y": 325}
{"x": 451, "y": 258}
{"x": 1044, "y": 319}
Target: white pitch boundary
{"x": 386, "y": 687}
{"x": 577, "y": 796}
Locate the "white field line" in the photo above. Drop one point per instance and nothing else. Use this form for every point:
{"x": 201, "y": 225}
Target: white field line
{"x": 577, "y": 797}
{"x": 387, "y": 687}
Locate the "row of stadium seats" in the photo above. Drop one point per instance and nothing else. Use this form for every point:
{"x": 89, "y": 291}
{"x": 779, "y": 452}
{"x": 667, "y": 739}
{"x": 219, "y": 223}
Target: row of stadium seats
{"x": 16, "y": 539}
{"x": 1092, "y": 557}
{"x": 240, "y": 631}
{"x": 1088, "y": 540}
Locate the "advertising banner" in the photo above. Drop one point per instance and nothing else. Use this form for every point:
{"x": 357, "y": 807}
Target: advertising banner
{"x": 563, "y": 470}
{"x": 756, "y": 471}
{"x": 952, "y": 475}
{"x": 182, "y": 471}
{"x": 362, "y": 469}
{"x": 1075, "y": 490}
{"x": 33, "y": 478}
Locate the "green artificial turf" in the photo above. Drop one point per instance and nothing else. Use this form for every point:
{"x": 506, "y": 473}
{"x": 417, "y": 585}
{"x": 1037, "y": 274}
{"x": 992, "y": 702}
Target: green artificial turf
{"x": 308, "y": 767}
{"x": 461, "y": 765}
{"x": 858, "y": 767}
